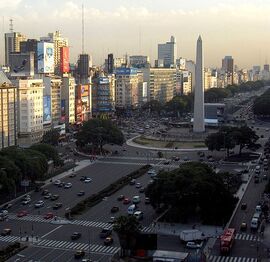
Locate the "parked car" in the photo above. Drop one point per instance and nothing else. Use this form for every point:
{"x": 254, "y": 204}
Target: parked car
{"x": 108, "y": 241}
{"x": 6, "y": 232}
{"x": 49, "y": 215}
{"x": 76, "y": 235}
{"x": 81, "y": 193}
{"x": 138, "y": 185}
{"x": 72, "y": 175}
{"x": 88, "y": 180}
{"x": 105, "y": 233}
{"x": 79, "y": 254}
{"x": 26, "y": 201}
{"x": 22, "y": 213}
{"x": 57, "y": 182}
{"x": 114, "y": 209}
{"x": 39, "y": 204}
{"x": 126, "y": 201}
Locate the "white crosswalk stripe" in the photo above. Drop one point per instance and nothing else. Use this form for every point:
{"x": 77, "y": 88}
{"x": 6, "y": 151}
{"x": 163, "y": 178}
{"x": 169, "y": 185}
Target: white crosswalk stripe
{"x": 246, "y": 237}
{"x": 231, "y": 259}
{"x": 9, "y": 238}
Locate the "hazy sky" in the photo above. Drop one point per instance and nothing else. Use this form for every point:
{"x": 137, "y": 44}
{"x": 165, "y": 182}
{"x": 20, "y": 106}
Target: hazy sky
{"x": 239, "y": 28}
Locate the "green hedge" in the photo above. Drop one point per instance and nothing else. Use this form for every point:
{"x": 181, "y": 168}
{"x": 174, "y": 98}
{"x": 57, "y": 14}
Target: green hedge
{"x": 94, "y": 199}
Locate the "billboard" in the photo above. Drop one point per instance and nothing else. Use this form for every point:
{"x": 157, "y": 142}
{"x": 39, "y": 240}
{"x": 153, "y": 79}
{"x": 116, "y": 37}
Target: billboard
{"x": 84, "y": 90}
{"x": 64, "y": 59}
{"x": 21, "y": 64}
{"x": 47, "y": 116}
{"x": 103, "y": 80}
{"x": 126, "y": 71}
{"x": 45, "y": 57}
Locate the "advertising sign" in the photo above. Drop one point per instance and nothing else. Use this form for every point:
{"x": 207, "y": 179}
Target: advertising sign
{"x": 45, "y": 56}
{"x": 84, "y": 91}
{"x": 126, "y": 71}
{"x": 21, "y": 64}
{"x": 64, "y": 59}
{"x": 47, "y": 116}
{"x": 104, "y": 80}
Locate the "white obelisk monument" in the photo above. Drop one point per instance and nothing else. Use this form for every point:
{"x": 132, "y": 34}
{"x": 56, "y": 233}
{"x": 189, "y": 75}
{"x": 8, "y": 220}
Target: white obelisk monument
{"x": 198, "y": 121}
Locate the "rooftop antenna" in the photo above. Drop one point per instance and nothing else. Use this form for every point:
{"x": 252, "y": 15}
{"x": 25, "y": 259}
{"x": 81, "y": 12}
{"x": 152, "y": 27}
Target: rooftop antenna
{"x": 82, "y": 29}
{"x": 11, "y": 25}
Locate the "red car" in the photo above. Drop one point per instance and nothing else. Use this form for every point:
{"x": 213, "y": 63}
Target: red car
{"x": 126, "y": 201}
{"x": 22, "y": 213}
{"x": 48, "y": 215}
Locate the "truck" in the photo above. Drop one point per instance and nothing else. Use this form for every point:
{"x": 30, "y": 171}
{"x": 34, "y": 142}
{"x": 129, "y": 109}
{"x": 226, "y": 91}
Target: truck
{"x": 191, "y": 235}
{"x": 227, "y": 240}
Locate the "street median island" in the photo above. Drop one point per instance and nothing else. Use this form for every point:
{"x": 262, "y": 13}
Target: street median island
{"x": 161, "y": 144}
{"x": 96, "y": 198}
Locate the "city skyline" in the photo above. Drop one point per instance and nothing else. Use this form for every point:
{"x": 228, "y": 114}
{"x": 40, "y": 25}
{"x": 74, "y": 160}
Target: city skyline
{"x": 137, "y": 28}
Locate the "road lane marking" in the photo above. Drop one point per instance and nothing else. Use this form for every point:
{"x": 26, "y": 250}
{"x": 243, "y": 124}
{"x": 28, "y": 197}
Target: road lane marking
{"x": 51, "y": 231}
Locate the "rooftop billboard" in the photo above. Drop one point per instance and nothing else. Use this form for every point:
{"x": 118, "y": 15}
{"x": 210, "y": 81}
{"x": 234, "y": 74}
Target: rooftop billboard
{"x": 45, "y": 57}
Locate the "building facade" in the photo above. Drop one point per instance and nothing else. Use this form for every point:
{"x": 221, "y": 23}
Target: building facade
{"x": 30, "y": 111}
{"x": 168, "y": 53}
{"x": 8, "y": 112}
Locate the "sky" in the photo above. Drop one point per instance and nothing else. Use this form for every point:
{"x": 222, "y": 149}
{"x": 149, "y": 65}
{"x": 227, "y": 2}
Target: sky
{"x": 239, "y": 28}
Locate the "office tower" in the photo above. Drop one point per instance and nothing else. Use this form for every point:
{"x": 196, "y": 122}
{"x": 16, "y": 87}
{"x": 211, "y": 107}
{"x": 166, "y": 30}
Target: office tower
{"x": 8, "y": 112}
{"x": 30, "y": 111}
{"x": 83, "y": 68}
{"x": 58, "y": 42}
{"x": 127, "y": 87}
{"x": 103, "y": 95}
{"x": 227, "y": 64}
{"x": 190, "y": 66}
{"x": 186, "y": 82}
{"x": 53, "y": 90}
{"x": 12, "y": 44}
{"x": 68, "y": 100}
{"x": 198, "y": 122}
{"x": 30, "y": 45}
{"x": 161, "y": 83}
{"x": 266, "y": 67}
{"x": 168, "y": 53}
{"x": 110, "y": 64}
{"x": 139, "y": 61}
{"x": 22, "y": 64}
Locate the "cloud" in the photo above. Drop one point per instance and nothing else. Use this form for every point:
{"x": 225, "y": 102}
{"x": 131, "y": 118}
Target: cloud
{"x": 9, "y": 3}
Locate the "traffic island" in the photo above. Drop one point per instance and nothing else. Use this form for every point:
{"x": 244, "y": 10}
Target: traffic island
{"x": 94, "y": 199}
{"x": 11, "y": 250}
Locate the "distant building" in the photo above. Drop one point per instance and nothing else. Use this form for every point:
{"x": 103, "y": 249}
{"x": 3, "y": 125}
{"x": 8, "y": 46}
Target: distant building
{"x": 110, "y": 64}
{"x": 161, "y": 83}
{"x": 30, "y": 45}
{"x": 30, "y": 111}
{"x": 12, "y": 44}
{"x": 8, "y": 112}
{"x": 168, "y": 53}
{"x": 190, "y": 66}
{"x": 83, "y": 68}
{"x": 58, "y": 41}
{"x": 139, "y": 61}
{"x": 186, "y": 82}
{"x": 68, "y": 100}
{"x": 227, "y": 64}
{"x": 22, "y": 64}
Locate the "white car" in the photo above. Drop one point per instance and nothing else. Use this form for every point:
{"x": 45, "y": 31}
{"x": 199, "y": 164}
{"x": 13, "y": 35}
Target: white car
{"x": 138, "y": 185}
{"x": 39, "y": 203}
{"x": 194, "y": 245}
{"x": 68, "y": 185}
{"x": 88, "y": 180}
{"x": 138, "y": 214}
{"x": 57, "y": 182}
{"x": 26, "y": 201}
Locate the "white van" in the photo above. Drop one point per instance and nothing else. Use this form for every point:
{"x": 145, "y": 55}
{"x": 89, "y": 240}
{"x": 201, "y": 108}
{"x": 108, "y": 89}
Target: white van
{"x": 258, "y": 209}
{"x": 138, "y": 215}
{"x": 136, "y": 200}
{"x": 131, "y": 209}
{"x": 254, "y": 223}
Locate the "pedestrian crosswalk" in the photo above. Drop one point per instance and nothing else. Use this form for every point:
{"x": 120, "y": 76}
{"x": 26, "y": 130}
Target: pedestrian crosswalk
{"x": 31, "y": 218}
{"x": 87, "y": 223}
{"x": 66, "y": 245}
{"x": 77, "y": 246}
{"x": 231, "y": 259}
{"x": 247, "y": 237}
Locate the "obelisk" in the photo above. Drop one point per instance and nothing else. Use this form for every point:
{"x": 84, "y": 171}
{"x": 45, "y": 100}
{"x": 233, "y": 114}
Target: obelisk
{"x": 198, "y": 120}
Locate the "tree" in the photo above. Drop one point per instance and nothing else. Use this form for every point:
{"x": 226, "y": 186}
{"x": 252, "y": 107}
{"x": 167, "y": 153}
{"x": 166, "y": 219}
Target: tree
{"x": 49, "y": 151}
{"x": 193, "y": 190}
{"x": 214, "y": 95}
{"x": 127, "y": 229}
{"x": 179, "y": 105}
{"x": 51, "y": 137}
{"x": 99, "y": 132}
{"x": 154, "y": 106}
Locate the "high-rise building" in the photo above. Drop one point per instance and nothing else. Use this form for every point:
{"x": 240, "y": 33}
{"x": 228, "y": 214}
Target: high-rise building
{"x": 68, "y": 100}
{"x": 58, "y": 41}
{"x": 12, "y": 44}
{"x": 52, "y": 89}
{"x": 168, "y": 53}
{"x": 127, "y": 87}
{"x": 227, "y": 64}
{"x": 30, "y": 45}
{"x": 186, "y": 82}
{"x": 110, "y": 64}
{"x": 8, "y": 112}
{"x": 83, "y": 68}
{"x": 266, "y": 67}
{"x": 190, "y": 66}
{"x": 30, "y": 111}
{"x": 22, "y": 64}
{"x": 161, "y": 83}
